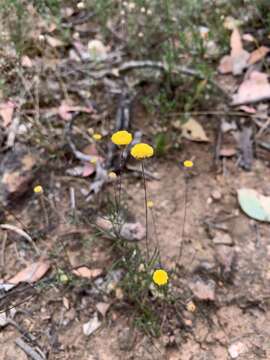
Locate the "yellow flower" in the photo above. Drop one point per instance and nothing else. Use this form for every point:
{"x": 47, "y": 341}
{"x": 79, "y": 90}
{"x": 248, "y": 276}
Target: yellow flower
{"x": 150, "y": 204}
{"x": 121, "y": 137}
{"x": 93, "y": 160}
{"x": 38, "y": 189}
{"x": 188, "y": 163}
{"x": 112, "y": 175}
{"x": 160, "y": 277}
{"x": 97, "y": 136}
{"x": 142, "y": 151}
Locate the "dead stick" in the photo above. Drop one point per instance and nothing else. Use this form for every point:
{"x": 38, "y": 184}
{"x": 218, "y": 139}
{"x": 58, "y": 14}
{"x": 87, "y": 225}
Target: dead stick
{"x": 28, "y": 350}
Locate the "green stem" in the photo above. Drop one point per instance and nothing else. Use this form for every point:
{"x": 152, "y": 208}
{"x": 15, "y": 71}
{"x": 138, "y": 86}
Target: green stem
{"x": 146, "y": 212}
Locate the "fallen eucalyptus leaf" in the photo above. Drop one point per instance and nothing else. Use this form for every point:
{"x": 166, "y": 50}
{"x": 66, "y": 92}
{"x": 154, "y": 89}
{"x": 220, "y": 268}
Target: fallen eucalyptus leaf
{"x": 255, "y": 88}
{"x": 192, "y": 130}
{"x": 254, "y": 204}
{"x": 85, "y": 272}
{"x": 92, "y": 325}
{"x": 31, "y": 273}
{"x": 237, "y": 61}
{"x": 258, "y": 55}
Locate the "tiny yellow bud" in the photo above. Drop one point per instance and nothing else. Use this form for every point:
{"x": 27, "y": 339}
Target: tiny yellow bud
{"x": 63, "y": 278}
{"x": 188, "y": 163}
{"x": 93, "y": 160}
{"x": 150, "y": 204}
{"x": 38, "y": 189}
{"x": 97, "y": 136}
{"x": 112, "y": 175}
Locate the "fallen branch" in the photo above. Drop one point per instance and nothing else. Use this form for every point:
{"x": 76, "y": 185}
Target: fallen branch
{"x": 22, "y": 233}
{"x": 28, "y": 350}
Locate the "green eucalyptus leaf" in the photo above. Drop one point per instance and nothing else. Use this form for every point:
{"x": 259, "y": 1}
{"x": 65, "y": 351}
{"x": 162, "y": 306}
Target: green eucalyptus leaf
{"x": 254, "y": 204}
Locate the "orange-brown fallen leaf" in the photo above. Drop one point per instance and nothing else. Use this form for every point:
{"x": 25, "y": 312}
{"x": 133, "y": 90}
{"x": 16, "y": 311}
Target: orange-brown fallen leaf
{"x": 227, "y": 151}
{"x": 26, "y": 61}
{"x": 31, "y": 273}
{"x": 248, "y": 109}
{"x": 6, "y": 111}
{"x": 255, "y": 88}
{"x": 258, "y": 55}
{"x": 237, "y": 61}
{"x": 54, "y": 42}
{"x": 65, "y": 110}
{"x": 85, "y": 272}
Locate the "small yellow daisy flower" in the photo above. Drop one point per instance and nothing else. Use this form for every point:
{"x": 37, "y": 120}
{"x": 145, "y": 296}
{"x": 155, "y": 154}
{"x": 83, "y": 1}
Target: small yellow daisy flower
{"x": 142, "y": 151}
{"x": 38, "y": 189}
{"x": 97, "y": 136}
{"x": 112, "y": 175}
{"x": 93, "y": 160}
{"x": 160, "y": 277}
{"x": 188, "y": 163}
{"x": 150, "y": 204}
{"x": 121, "y": 137}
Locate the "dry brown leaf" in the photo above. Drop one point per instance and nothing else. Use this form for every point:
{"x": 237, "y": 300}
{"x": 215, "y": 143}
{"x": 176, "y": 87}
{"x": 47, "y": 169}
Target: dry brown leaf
{"x": 255, "y": 88}
{"x": 88, "y": 169}
{"x": 236, "y": 62}
{"x": 102, "y": 308}
{"x": 249, "y": 38}
{"x": 258, "y": 55}
{"x": 26, "y": 61}
{"x": 54, "y": 42}
{"x": 248, "y": 109}
{"x": 65, "y": 110}
{"x": 6, "y": 111}
{"x": 85, "y": 272}
{"x": 193, "y": 131}
{"x": 104, "y": 224}
{"x": 31, "y": 273}
{"x": 90, "y": 149}
{"x": 66, "y": 303}
{"x": 227, "y": 151}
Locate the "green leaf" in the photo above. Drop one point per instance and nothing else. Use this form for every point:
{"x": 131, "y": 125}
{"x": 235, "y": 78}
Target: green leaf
{"x": 254, "y": 204}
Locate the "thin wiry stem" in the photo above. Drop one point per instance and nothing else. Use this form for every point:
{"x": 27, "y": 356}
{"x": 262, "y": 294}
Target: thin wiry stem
{"x": 156, "y": 236}
{"x": 184, "y": 220}
{"x": 118, "y": 198}
{"x": 146, "y": 212}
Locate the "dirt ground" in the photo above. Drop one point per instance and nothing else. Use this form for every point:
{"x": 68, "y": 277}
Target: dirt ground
{"x": 234, "y": 324}
{"x": 222, "y": 281}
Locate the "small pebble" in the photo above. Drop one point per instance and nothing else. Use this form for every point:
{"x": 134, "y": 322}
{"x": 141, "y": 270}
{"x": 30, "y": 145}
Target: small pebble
{"x": 216, "y": 195}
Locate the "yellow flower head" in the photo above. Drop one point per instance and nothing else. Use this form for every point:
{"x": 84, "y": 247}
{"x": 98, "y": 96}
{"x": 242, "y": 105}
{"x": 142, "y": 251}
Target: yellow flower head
{"x": 150, "y": 204}
{"x": 97, "y": 136}
{"x": 142, "y": 151}
{"x": 121, "y": 137}
{"x": 112, "y": 175}
{"x": 188, "y": 164}
{"x": 160, "y": 277}
{"x": 93, "y": 160}
{"x": 38, "y": 189}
